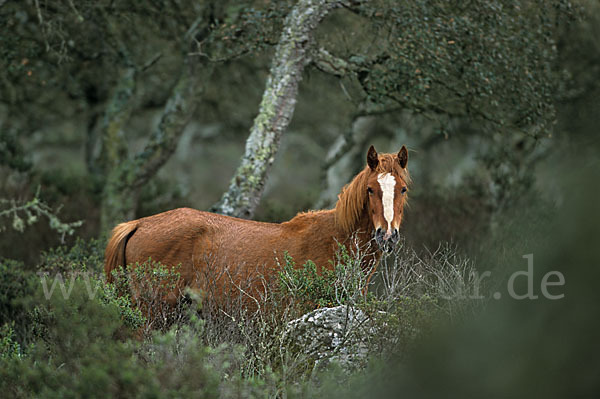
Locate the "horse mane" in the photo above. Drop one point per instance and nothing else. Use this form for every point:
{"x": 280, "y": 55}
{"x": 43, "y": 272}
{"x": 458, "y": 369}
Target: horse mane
{"x": 353, "y": 197}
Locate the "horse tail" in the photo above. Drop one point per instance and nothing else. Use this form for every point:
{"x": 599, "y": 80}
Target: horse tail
{"x": 114, "y": 256}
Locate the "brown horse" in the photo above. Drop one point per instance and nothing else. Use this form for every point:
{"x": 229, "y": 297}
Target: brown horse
{"x": 208, "y": 245}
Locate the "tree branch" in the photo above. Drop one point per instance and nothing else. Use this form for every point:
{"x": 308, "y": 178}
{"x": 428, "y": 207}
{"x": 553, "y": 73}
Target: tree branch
{"x": 324, "y": 61}
{"x": 175, "y": 116}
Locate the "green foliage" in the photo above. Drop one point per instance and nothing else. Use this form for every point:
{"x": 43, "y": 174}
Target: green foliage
{"x": 154, "y": 287}
{"x": 484, "y": 60}
{"x": 83, "y": 264}
{"x": 131, "y": 315}
{"x": 82, "y": 340}
{"x": 181, "y": 348}
{"x": 343, "y": 284}
{"x": 411, "y": 294}
{"x": 83, "y": 256}
{"x": 9, "y": 347}
{"x": 127, "y": 34}
{"x": 84, "y": 352}
{"x": 78, "y": 355}
{"x": 305, "y": 284}
{"x": 16, "y": 285}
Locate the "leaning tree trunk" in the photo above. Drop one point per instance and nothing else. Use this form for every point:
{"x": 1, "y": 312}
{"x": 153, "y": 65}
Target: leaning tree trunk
{"x": 125, "y": 176}
{"x": 277, "y": 106}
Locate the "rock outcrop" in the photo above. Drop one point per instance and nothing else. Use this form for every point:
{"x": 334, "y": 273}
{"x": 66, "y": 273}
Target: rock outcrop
{"x": 338, "y": 334}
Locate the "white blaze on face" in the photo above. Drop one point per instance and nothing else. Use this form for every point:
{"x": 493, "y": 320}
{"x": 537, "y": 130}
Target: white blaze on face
{"x": 387, "y": 182}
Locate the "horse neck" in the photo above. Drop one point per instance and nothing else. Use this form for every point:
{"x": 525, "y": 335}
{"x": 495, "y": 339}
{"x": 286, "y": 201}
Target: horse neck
{"x": 324, "y": 222}
{"x": 362, "y": 231}
{"x": 308, "y": 235}
{"x": 360, "y": 235}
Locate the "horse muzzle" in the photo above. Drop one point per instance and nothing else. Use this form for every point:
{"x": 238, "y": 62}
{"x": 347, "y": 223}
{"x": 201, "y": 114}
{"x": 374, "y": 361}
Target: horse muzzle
{"x": 387, "y": 240}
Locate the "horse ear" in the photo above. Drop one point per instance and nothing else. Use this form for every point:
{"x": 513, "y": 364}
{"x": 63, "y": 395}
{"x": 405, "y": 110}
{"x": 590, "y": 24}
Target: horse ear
{"x": 403, "y": 157}
{"x": 372, "y": 158}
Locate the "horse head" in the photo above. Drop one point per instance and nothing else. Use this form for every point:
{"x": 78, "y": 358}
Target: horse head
{"x": 386, "y": 190}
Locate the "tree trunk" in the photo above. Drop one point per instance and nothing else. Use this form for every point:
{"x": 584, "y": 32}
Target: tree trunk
{"x": 125, "y": 176}
{"x": 277, "y": 106}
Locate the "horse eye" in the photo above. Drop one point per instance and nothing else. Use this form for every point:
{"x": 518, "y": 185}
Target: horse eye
{"x": 403, "y": 190}
{"x": 369, "y": 190}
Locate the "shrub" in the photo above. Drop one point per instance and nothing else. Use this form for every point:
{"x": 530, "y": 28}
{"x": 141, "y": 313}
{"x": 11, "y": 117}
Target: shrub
{"x": 78, "y": 356}
{"x": 345, "y": 283}
{"x": 63, "y": 267}
{"x": 83, "y": 256}
{"x": 304, "y": 285}
{"x": 131, "y": 316}
{"x": 412, "y": 292}
{"x": 409, "y": 293}
{"x": 443, "y": 274}
{"x": 16, "y": 285}
{"x": 154, "y": 289}
{"x": 9, "y": 347}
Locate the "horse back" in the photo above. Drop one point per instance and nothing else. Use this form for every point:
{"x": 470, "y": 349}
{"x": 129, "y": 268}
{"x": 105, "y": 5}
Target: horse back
{"x": 167, "y": 237}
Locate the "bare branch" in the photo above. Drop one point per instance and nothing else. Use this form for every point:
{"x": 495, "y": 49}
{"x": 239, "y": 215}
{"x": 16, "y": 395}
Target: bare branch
{"x": 328, "y": 63}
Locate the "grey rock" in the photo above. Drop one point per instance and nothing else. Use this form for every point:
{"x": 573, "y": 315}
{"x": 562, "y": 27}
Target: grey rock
{"x": 339, "y": 334}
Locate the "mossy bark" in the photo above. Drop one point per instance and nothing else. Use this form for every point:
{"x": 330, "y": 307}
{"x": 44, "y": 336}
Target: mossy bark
{"x": 277, "y": 106}
{"x": 124, "y": 176}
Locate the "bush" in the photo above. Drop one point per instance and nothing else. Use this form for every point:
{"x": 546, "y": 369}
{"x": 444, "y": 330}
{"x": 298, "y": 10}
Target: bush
{"x": 78, "y": 355}
{"x": 9, "y": 347}
{"x": 409, "y": 293}
{"x": 346, "y": 282}
{"x": 63, "y": 267}
{"x": 154, "y": 289}
{"x": 16, "y": 285}
{"x": 83, "y": 256}
{"x": 305, "y": 286}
